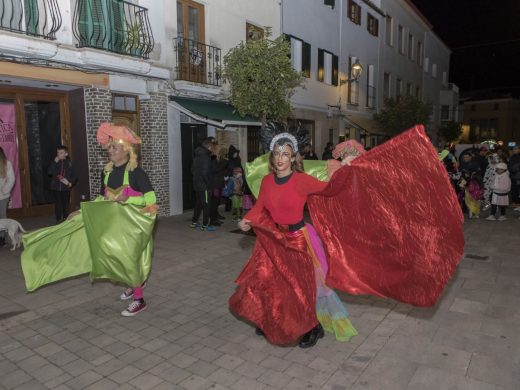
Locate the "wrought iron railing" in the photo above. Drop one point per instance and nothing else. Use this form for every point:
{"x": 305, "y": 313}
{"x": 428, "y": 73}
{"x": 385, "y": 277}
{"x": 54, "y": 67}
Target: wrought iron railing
{"x": 39, "y": 18}
{"x": 371, "y": 97}
{"x": 113, "y": 25}
{"x": 198, "y": 62}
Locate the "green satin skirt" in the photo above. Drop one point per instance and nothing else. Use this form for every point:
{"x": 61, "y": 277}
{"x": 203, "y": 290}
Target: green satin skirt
{"x": 107, "y": 240}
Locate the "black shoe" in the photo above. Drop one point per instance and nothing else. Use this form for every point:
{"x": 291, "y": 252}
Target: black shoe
{"x": 216, "y": 223}
{"x": 259, "y": 332}
{"x": 310, "y": 338}
{"x": 221, "y": 217}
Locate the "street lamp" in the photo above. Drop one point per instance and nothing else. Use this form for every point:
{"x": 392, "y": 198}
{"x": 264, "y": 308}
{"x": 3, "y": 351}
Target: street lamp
{"x": 355, "y": 73}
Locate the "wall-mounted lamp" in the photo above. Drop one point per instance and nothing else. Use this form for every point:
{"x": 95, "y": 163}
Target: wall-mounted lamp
{"x": 355, "y": 73}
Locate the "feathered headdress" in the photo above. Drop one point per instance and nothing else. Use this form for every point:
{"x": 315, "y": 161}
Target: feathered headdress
{"x": 275, "y": 131}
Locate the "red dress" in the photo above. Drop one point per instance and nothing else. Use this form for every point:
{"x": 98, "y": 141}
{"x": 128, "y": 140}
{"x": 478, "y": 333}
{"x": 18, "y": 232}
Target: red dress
{"x": 390, "y": 224}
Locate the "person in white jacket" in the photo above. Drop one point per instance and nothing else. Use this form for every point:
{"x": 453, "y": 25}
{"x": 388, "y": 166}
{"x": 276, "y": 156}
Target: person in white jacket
{"x": 501, "y": 187}
{"x": 6, "y": 185}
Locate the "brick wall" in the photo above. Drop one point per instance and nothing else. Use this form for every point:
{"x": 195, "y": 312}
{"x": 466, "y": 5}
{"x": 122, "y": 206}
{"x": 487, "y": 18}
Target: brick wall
{"x": 154, "y": 135}
{"x": 98, "y": 107}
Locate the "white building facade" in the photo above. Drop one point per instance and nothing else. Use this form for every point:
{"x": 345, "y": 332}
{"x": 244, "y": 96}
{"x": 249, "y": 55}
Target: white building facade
{"x": 67, "y": 66}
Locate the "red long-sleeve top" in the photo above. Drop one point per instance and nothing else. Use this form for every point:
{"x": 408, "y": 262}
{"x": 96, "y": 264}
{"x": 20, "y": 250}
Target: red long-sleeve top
{"x": 285, "y": 202}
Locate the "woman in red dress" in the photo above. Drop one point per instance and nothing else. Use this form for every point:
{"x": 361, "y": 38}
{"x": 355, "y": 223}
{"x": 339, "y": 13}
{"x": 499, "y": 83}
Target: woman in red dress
{"x": 283, "y": 292}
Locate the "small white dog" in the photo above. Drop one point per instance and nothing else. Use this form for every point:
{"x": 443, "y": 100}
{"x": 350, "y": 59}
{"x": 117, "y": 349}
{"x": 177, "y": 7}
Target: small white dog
{"x": 14, "y": 230}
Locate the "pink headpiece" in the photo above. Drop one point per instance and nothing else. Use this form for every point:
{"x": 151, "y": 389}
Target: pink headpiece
{"x": 350, "y": 147}
{"x": 109, "y": 132}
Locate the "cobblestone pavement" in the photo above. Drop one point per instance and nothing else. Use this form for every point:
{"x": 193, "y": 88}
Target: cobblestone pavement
{"x": 70, "y": 335}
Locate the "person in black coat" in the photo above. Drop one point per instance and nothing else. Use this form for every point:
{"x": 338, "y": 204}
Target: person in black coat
{"x": 63, "y": 178}
{"x": 219, "y": 170}
{"x": 514, "y": 171}
{"x": 327, "y": 153}
{"x": 201, "y": 171}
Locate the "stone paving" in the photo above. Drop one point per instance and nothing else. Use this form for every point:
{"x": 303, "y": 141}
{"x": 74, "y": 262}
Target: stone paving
{"x": 70, "y": 335}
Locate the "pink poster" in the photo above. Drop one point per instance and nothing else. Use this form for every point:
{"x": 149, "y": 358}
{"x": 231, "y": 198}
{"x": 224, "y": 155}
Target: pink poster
{"x": 8, "y": 142}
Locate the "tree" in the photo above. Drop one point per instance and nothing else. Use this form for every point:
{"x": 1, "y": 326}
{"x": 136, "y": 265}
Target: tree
{"x": 451, "y": 131}
{"x": 397, "y": 116}
{"x": 262, "y": 78}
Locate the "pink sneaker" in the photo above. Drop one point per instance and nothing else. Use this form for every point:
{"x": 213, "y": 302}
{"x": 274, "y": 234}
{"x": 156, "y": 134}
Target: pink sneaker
{"x": 134, "y": 308}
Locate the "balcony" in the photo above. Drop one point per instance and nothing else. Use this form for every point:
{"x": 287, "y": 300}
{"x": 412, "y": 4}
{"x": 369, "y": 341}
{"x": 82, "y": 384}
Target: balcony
{"x": 113, "y": 25}
{"x": 197, "y": 62}
{"x": 38, "y": 18}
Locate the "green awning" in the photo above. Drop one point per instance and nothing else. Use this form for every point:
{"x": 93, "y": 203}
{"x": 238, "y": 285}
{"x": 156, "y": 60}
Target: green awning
{"x": 216, "y": 113}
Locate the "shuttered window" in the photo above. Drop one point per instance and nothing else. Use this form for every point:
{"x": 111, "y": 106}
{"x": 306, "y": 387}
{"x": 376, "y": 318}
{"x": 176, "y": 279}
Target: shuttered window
{"x": 327, "y": 67}
{"x": 354, "y": 12}
{"x": 330, "y": 3}
{"x": 372, "y": 25}
{"x": 300, "y": 55}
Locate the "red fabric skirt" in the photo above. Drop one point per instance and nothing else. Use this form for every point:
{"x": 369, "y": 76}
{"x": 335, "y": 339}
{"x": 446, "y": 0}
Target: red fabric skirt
{"x": 277, "y": 287}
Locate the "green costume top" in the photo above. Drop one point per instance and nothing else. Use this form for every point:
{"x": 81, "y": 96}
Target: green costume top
{"x": 108, "y": 240}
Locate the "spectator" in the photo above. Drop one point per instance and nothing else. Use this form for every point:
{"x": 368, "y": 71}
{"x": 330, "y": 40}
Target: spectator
{"x": 201, "y": 170}
{"x": 501, "y": 188}
{"x": 308, "y": 153}
{"x": 63, "y": 178}
{"x": 7, "y": 180}
{"x": 327, "y": 153}
{"x": 514, "y": 171}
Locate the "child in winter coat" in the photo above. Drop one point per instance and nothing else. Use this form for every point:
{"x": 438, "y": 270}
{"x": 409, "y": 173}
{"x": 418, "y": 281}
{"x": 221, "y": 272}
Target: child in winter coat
{"x": 501, "y": 188}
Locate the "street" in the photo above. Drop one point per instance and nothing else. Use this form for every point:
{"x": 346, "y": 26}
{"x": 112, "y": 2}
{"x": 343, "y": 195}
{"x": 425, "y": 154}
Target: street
{"x": 70, "y": 335}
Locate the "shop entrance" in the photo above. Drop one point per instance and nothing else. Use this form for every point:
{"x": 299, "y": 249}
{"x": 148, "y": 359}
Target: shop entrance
{"x": 33, "y": 125}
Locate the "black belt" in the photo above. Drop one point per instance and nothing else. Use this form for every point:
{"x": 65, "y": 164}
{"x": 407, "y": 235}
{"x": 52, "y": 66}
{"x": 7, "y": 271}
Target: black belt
{"x": 292, "y": 228}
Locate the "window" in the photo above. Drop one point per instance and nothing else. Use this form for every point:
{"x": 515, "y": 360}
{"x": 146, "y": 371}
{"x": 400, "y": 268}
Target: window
{"x": 419, "y": 53}
{"x": 434, "y": 70}
{"x": 327, "y": 67}
{"x": 417, "y": 92}
{"x": 300, "y": 55}
{"x": 444, "y": 78}
{"x": 372, "y": 25}
{"x": 410, "y": 47}
{"x": 426, "y": 65}
{"x": 353, "y": 87}
{"x": 254, "y": 33}
{"x": 124, "y": 103}
{"x": 330, "y": 3}
{"x": 409, "y": 89}
{"x": 445, "y": 112}
{"x": 354, "y": 12}
{"x": 398, "y": 88}
{"x": 371, "y": 89}
{"x": 389, "y": 37}
{"x": 386, "y": 85}
{"x": 400, "y": 39}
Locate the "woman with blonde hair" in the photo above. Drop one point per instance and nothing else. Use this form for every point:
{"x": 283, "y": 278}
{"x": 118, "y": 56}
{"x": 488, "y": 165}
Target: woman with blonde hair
{"x": 6, "y": 185}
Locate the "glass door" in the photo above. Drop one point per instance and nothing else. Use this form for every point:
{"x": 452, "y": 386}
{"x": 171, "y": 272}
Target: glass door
{"x": 43, "y": 132}
{"x": 191, "y": 38}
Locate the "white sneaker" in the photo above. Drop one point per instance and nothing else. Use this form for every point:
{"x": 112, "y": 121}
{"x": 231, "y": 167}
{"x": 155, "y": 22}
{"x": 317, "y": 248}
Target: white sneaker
{"x": 134, "y": 308}
{"x": 127, "y": 294}
{"x": 491, "y": 218}
{"x": 502, "y": 218}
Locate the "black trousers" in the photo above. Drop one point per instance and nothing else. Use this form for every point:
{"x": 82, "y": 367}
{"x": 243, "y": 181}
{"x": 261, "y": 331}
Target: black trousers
{"x": 494, "y": 209}
{"x": 61, "y": 204}
{"x": 202, "y": 205}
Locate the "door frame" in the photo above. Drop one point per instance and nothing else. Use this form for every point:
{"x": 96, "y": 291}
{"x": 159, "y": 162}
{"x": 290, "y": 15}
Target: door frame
{"x": 20, "y": 95}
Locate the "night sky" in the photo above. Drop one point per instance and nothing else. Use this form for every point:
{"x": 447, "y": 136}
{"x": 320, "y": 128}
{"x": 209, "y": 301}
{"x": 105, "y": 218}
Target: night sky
{"x": 484, "y": 37}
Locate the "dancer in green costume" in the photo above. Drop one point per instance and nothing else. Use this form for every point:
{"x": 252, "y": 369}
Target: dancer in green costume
{"x": 111, "y": 238}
